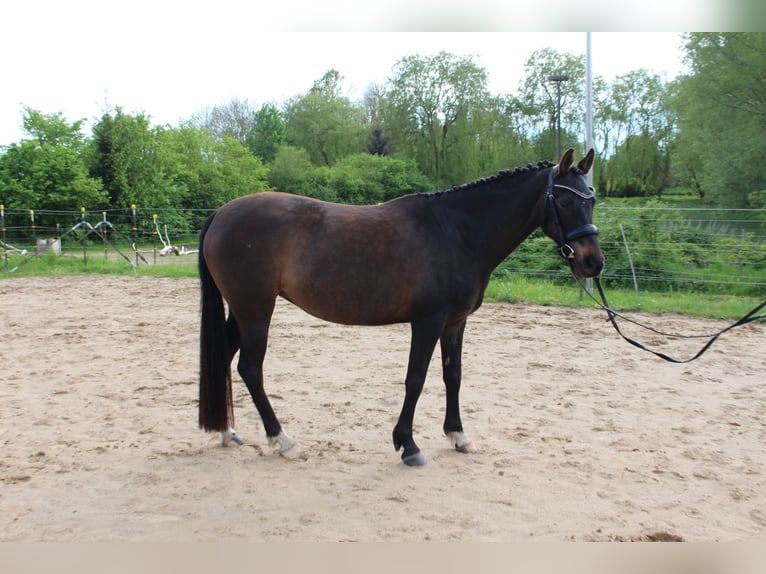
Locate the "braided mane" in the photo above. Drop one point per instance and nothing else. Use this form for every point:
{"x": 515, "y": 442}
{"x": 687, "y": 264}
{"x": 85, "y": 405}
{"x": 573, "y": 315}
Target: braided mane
{"x": 503, "y": 174}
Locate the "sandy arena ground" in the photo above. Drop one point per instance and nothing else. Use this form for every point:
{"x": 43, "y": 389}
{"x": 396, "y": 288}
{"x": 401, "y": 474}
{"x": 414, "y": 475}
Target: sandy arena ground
{"x": 582, "y": 437}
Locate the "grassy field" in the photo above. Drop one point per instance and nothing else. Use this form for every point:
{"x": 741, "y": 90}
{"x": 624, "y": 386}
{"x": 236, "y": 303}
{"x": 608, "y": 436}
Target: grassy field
{"x": 508, "y": 289}
{"x": 521, "y": 289}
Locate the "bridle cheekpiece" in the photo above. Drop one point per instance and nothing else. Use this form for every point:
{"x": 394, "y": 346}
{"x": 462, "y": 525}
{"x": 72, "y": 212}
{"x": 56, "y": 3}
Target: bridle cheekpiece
{"x": 566, "y": 250}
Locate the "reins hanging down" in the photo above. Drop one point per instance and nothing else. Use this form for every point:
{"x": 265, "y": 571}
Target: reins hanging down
{"x": 713, "y": 337}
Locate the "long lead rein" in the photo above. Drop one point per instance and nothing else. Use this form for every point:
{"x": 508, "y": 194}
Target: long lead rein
{"x": 613, "y": 315}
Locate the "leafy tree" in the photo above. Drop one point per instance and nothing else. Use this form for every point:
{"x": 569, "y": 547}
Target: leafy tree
{"x": 721, "y": 113}
{"x": 372, "y": 179}
{"x": 378, "y": 143}
{"x": 161, "y": 167}
{"x": 499, "y": 141}
{"x": 373, "y": 101}
{"x": 242, "y": 172}
{"x": 267, "y": 133}
{"x": 640, "y": 107}
{"x": 289, "y": 168}
{"x": 234, "y": 119}
{"x": 538, "y": 100}
{"x": 324, "y": 122}
{"x": 131, "y": 161}
{"x": 631, "y": 116}
{"x": 212, "y": 171}
{"x": 47, "y": 170}
{"x": 431, "y": 104}
{"x": 757, "y": 199}
{"x": 641, "y": 122}
{"x": 356, "y": 179}
{"x": 638, "y": 168}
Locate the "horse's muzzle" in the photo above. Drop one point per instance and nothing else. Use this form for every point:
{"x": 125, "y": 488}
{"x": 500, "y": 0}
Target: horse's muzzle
{"x": 586, "y": 258}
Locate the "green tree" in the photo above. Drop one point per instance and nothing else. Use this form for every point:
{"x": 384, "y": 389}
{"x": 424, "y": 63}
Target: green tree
{"x": 131, "y": 161}
{"x": 206, "y": 171}
{"x": 211, "y": 171}
{"x": 289, "y": 169}
{"x": 234, "y": 119}
{"x": 637, "y": 168}
{"x": 640, "y": 106}
{"x": 639, "y": 119}
{"x": 47, "y": 170}
{"x": 267, "y": 133}
{"x": 431, "y": 104}
{"x": 324, "y": 122}
{"x": 243, "y": 173}
{"x": 539, "y": 101}
{"x": 373, "y": 103}
{"x": 721, "y": 114}
{"x": 366, "y": 179}
{"x": 363, "y": 179}
{"x": 498, "y": 140}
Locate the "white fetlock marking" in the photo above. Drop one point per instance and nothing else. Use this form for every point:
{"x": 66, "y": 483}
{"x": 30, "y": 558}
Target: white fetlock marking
{"x": 461, "y": 442}
{"x": 288, "y": 448}
{"x": 230, "y": 436}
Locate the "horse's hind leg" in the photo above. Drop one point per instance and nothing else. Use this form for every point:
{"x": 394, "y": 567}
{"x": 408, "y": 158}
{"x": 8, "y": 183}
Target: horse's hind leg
{"x": 253, "y": 339}
{"x": 232, "y": 346}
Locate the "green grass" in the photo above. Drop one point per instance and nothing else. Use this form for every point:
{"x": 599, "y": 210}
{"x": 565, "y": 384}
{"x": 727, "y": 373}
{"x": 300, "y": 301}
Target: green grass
{"x": 50, "y": 264}
{"x": 519, "y": 289}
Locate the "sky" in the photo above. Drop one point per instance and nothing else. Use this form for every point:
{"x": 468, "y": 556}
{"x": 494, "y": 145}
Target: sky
{"x": 170, "y": 60}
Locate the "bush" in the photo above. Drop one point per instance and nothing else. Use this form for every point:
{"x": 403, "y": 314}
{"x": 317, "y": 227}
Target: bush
{"x": 360, "y": 179}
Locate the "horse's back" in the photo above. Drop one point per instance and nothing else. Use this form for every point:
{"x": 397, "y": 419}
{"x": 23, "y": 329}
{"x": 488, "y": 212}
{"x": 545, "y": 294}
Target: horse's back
{"x": 343, "y": 263}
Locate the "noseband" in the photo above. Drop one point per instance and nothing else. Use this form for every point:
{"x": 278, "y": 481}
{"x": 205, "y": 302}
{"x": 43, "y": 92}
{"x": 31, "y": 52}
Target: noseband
{"x": 566, "y": 250}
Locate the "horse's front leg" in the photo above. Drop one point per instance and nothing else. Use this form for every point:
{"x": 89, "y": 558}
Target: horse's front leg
{"x": 425, "y": 333}
{"x": 452, "y": 352}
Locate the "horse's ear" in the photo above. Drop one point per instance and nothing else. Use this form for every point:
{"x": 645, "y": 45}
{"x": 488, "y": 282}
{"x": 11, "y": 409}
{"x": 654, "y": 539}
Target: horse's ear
{"x": 587, "y": 162}
{"x": 565, "y": 164}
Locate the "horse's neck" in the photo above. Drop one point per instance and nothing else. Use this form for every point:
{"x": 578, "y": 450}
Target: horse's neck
{"x": 497, "y": 216}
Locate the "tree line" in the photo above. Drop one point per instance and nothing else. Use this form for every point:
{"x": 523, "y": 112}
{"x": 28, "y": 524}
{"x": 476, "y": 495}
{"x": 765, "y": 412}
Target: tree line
{"x": 433, "y": 124}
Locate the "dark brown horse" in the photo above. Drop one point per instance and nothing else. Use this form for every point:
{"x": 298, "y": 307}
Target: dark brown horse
{"x": 423, "y": 259}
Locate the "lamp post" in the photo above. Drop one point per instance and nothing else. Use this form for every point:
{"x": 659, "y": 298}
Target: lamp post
{"x": 558, "y": 78}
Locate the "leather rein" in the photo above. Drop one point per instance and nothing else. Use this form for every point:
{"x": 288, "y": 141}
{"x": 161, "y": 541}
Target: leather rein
{"x": 567, "y": 252}
{"x": 712, "y": 337}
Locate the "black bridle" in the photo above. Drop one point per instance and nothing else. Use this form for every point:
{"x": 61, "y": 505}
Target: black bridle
{"x": 566, "y": 250}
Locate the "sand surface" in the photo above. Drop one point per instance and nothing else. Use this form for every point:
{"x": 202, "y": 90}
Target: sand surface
{"x": 581, "y": 436}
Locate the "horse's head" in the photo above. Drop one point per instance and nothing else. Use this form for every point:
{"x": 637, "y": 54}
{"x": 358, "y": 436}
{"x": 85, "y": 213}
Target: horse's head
{"x": 569, "y": 215}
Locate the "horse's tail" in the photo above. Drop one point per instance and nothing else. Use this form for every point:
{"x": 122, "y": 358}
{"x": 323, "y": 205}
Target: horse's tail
{"x": 216, "y": 412}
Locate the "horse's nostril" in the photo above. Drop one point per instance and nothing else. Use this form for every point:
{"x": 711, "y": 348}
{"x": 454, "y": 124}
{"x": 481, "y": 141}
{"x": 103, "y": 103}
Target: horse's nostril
{"x": 598, "y": 265}
{"x": 592, "y": 265}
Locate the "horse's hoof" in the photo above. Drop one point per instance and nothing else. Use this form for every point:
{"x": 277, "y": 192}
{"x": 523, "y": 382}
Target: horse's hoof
{"x": 462, "y": 443}
{"x": 293, "y": 453}
{"x": 229, "y": 437}
{"x": 287, "y": 447}
{"x": 416, "y": 459}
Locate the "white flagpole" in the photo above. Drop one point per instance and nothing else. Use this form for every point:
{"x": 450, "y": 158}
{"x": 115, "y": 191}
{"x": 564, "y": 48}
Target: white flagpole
{"x": 588, "y": 101}
{"x": 588, "y": 119}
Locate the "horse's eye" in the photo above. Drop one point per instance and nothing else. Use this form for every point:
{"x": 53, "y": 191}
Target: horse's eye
{"x": 564, "y": 200}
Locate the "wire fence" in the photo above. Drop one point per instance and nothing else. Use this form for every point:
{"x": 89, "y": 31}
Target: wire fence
{"x": 127, "y": 234}
{"x": 686, "y": 249}
{"x": 704, "y": 249}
